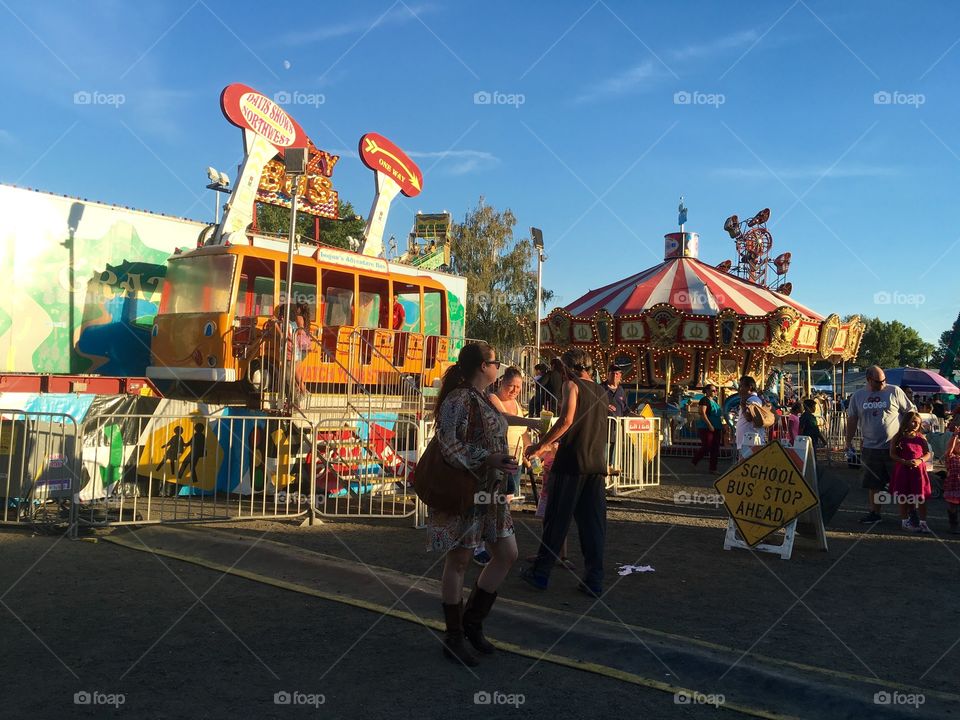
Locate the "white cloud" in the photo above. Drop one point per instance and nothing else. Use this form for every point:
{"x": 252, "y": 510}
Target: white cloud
{"x": 399, "y": 13}
{"x": 741, "y": 40}
{"x": 635, "y": 79}
{"x": 458, "y": 162}
{"x": 651, "y": 72}
{"x": 807, "y": 173}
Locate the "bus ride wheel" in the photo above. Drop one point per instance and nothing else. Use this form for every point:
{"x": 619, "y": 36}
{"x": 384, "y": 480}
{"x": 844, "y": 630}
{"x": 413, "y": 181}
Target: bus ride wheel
{"x": 265, "y": 377}
{"x": 254, "y": 376}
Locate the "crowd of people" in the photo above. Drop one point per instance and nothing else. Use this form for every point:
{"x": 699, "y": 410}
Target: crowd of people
{"x": 896, "y": 451}
{"x": 484, "y": 427}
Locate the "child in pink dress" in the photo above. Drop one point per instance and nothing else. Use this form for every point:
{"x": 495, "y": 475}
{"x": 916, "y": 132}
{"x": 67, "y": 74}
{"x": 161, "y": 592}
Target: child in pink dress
{"x": 910, "y": 485}
{"x": 951, "y": 488}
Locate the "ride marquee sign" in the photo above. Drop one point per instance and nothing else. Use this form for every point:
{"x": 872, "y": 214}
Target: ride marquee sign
{"x": 268, "y": 131}
{"x": 393, "y": 173}
{"x": 382, "y": 156}
{"x": 315, "y": 193}
{"x": 248, "y": 109}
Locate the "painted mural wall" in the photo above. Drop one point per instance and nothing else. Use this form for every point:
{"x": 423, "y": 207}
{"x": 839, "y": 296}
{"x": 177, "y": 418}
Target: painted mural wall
{"x": 95, "y": 318}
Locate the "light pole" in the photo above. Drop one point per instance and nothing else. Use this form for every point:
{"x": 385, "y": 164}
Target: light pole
{"x": 219, "y": 182}
{"x": 295, "y": 165}
{"x": 536, "y": 234}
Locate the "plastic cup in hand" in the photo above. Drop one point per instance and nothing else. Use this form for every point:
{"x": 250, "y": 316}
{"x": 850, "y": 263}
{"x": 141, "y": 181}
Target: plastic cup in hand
{"x": 536, "y": 466}
{"x": 546, "y": 420}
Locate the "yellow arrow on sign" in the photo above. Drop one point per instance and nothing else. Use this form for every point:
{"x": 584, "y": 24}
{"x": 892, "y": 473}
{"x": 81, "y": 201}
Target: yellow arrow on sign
{"x": 373, "y": 149}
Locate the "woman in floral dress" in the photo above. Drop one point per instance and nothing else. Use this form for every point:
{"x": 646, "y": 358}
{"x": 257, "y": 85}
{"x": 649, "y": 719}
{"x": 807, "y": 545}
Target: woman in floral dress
{"x": 473, "y": 435}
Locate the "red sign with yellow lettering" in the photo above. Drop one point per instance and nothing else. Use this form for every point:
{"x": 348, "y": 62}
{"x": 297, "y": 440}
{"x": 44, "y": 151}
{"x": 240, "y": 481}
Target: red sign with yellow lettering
{"x": 381, "y": 155}
{"x": 246, "y": 108}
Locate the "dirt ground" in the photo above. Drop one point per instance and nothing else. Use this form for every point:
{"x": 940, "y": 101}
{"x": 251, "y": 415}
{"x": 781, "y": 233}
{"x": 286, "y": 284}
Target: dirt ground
{"x": 876, "y": 604}
{"x": 126, "y": 628}
{"x": 84, "y": 616}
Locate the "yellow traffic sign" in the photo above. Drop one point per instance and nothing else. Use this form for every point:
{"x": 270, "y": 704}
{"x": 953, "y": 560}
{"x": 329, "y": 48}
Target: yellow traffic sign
{"x": 764, "y": 492}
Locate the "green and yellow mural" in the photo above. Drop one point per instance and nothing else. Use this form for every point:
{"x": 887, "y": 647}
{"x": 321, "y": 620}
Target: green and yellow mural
{"x": 82, "y": 282}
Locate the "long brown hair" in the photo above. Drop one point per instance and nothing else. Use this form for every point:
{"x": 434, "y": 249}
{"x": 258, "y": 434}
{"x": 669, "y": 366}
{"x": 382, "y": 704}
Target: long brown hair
{"x": 903, "y": 427}
{"x": 469, "y": 361}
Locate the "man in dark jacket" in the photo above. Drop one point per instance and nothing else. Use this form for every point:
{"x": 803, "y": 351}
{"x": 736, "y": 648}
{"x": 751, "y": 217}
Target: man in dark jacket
{"x": 577, "y": 478}
{"x": 538, "y": 401}
{"x": 553, "y": 382}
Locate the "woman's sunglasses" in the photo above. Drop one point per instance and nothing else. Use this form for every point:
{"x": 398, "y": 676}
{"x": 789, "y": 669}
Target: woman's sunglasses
{"x": 495, "y": 363}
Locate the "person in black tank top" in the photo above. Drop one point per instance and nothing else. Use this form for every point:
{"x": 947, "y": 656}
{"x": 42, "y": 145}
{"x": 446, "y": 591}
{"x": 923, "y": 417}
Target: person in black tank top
{"x": 577, "y": 477}
{"x": 582, "y": 448}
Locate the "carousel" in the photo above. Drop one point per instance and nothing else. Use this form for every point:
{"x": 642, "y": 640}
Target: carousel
{"x": 685, "y": 322}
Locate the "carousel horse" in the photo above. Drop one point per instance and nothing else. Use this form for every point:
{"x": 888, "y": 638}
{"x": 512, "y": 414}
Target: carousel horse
{"x": 731, "y": 409}
{"x": 674, "y": 409}
{"x": 771, "y": 387}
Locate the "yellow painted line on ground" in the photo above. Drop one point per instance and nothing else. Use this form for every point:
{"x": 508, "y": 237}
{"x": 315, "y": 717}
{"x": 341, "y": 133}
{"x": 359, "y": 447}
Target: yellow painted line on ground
{"x": 594, "y": 668}
{"x": 836, "y": 674}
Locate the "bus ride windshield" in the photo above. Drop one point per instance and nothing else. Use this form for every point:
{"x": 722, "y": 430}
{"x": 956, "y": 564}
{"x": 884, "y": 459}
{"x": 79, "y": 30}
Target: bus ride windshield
{"x": 198, "y": 284}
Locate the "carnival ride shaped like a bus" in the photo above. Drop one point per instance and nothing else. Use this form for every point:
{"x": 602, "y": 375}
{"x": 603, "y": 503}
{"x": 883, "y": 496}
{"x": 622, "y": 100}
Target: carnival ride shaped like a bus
{"x": 381, "y": 326}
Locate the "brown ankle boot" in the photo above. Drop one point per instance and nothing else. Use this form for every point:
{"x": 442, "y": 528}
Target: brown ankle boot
{"x": 478, "y": 607}
{"x": 454, "y": 647}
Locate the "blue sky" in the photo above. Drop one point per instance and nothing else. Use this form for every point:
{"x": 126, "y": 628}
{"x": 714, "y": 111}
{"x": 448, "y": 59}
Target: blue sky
{"x": 587, "y": 137}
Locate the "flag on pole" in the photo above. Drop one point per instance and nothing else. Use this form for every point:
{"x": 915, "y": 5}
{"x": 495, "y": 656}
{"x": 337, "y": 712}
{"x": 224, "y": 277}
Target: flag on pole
{"x": 683, "y": 212}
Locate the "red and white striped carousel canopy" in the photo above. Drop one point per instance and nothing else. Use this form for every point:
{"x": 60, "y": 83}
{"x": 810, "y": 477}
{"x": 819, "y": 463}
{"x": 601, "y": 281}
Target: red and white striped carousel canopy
{"x": 689, "y": 285}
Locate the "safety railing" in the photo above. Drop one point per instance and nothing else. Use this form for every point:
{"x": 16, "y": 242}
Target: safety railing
{"x": 833, "y": 425}
{"x": 390, "y": 380}
{"x": 167, "y": 468}
{"x": 633, "y": 454}
{"x": 329, "y": 368}
{"x": 40, "y": 476}
{"x": 363, "y": 467}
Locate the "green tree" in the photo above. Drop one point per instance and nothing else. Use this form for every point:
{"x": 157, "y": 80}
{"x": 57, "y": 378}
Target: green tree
{"x": 276, "y": 219}
{"x": 945, "y": 354}
{"x": 893, "y": 344}
{"x": 501, "y": 286}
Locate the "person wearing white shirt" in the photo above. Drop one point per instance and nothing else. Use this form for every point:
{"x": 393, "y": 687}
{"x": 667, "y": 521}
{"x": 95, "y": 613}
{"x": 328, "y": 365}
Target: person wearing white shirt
{"x": 748, "y": 396}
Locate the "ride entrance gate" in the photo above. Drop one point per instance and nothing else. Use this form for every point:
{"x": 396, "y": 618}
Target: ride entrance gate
{"x": 365, "y": 464}
{"x": 633, "y": 454}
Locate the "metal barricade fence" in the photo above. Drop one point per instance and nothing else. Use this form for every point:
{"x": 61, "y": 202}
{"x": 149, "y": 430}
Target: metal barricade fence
{"x": 833, "y": 427}
{"x": 39, "y": 472}
{"x": 835, "y": 431}
{"x": 144, "y": 469}
{"x": 364, "y": 465}
{"x": 633, "y": 447}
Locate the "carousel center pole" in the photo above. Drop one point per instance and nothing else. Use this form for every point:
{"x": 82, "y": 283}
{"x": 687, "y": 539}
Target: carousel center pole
{"x": 833, "y": 383}
{"x": 666, "y": 389}
{"x": 843, "y": 380}
{"x": 808, "y": 386}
